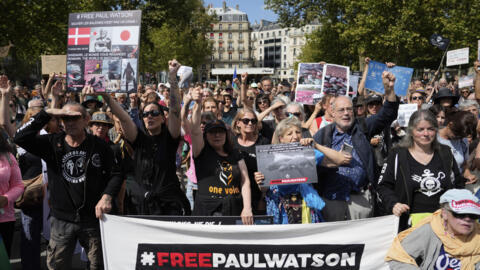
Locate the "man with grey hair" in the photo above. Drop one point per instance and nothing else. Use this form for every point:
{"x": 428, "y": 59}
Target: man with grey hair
{"x": 347, "y": 189}
{"x": 469, "y": 106}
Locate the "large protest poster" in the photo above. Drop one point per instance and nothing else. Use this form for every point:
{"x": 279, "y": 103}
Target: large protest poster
{"x": 403, "y": 75}
{"x": 457, "y": 57}
{"x": 284, "y": 164}
{"x": 336, "y": 80}
{"x": 103, "y": 50}
{"x": 405, "y": 111}
{"x": 309, "y": 83}
{"x": 465, "y": 81}
{"x": 131, "y": 243}
{"x": 354, "y": 81}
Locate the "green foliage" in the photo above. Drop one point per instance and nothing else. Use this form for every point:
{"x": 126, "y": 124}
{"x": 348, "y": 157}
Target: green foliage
{"x": 170, "y": 28}
{"x": 392, "y": 30}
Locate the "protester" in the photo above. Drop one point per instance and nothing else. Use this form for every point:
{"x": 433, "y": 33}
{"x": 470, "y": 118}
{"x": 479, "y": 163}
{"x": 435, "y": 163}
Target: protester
{"x": 346, "y": 190}
{"x": 439, "y": 113}
{"x": 79, "y": 171}
{"x": 417, "y": 97}
{"x": 100, "y": 124}
{"x": 417, "y": 172}
{"x": 448, "y": 239}
{"x": 278, "y": 197}
{"x": 445, "y": 98}
{"x": 278, "y": 111}
{"x": 247, "y": 135}
{"x": 229, "y": 111}
{"x": 223, "y": 182}
{"x": 262, "y": 102}
{"x": 295, "y": 109}
{"x": 156, "y": 190}
{"x": 326, "y": 105}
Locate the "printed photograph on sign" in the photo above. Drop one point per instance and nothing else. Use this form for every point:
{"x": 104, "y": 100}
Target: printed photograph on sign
{"x": 112, "y": 71}
{"x": 94, "y": 76}
{"x": 129, "y": 70}
{"x": 309, "y": 82}
{"x": 131, "y": 51}
{"x": 75, "y": 75}
{"x": 284, "y": 164}
{"x": 101, "y": 39}
{"x": 336, "y": 80}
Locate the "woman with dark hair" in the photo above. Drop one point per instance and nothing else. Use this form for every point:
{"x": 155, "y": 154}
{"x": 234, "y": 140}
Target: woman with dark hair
{"x": 417, "y": 172}
{"x": 439, "y": 112}
{"x": 11, "y": 187}
{"x": 222, "y": 176}
{"x": 458, "y": 126}
{"x": 262, "y": 102}
{"x": 246, "y": 129}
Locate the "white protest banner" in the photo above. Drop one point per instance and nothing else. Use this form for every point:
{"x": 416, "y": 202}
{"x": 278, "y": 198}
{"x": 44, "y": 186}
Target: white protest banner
{"x": 54, "y": 63}
{"x": 465, "y": 81}
{"x": 457, "y": 57}
{"x": 131, "y": 243}
{"x": 404, "y": 113}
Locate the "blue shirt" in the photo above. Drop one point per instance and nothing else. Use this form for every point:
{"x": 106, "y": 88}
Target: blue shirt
{"x": 348, "y": 178}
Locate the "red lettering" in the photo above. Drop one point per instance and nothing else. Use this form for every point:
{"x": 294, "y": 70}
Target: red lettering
{"x": 176, "y": 258}
{"x": 191, "y": 260}
{"x": 161, "y": 258}
{"x": 204, "y": 259}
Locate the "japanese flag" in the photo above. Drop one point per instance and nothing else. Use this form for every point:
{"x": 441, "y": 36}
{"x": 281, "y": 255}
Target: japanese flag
{"x": 125, "y": 35}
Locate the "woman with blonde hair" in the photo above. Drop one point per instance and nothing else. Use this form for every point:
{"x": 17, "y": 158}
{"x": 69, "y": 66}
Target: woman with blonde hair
{"x": 246, "y": 128}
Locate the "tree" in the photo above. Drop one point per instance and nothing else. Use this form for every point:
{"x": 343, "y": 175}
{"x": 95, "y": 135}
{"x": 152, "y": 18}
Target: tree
{"x": 382, "y": 29}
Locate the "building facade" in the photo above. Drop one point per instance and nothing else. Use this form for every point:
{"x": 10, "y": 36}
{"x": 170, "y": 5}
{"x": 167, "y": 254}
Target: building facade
{"x": 278, "y": 48}
{"x": 230, "y": 38}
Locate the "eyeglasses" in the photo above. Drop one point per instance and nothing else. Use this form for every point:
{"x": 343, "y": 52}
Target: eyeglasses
{"x": 347, "y": 109}
{"x": 71, "y": 118}
{"x": 263, "y": 102}
{"x": 417, "y": 98}
{"x": 152, "y": 113}
{"x": 245, "y": 121}
{"x": 290, "y": 114}
{"x": 100, "y": 124}
{"x": 463, "y": 216}
{"x": 251, "y": 98}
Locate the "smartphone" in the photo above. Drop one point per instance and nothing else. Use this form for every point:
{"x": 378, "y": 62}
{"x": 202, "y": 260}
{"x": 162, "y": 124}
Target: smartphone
{"x": 347, "y": 148}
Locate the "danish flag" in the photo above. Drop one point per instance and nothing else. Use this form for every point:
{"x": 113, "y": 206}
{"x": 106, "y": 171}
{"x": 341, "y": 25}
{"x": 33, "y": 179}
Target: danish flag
{"x": 78, "y": 36}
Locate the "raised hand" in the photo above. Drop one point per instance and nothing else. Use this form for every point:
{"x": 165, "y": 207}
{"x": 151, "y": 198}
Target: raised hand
{"x": 388, "y": 80}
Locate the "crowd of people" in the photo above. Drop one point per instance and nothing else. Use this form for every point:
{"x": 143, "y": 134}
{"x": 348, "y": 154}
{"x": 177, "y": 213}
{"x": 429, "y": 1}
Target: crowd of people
{"x": 190, "y": 150}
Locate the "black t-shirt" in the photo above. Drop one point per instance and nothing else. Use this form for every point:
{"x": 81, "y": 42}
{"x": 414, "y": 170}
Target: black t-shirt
{"x": 155, "y": 172}
{"x": 30, "y": 165}
{"x": 429, "y": 182}
{"x": 268, "y": 128}
{"x": 249, "y": 155}
{"x": 74, "y": 163}
{"x": 227, "y": 117}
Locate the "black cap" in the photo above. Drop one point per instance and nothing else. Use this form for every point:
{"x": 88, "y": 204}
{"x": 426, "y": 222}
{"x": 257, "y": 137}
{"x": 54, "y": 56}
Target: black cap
{"x": 215, "y": 124}
{"x": 373, "y": 98}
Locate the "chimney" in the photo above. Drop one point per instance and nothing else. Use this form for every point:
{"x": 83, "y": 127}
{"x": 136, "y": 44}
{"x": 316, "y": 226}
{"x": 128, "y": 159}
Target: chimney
{"x": 224, "y": 6}
{"x": 237, "y": 7}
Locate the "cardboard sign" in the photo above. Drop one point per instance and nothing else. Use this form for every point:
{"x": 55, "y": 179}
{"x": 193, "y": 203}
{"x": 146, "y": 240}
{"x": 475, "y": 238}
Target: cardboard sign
{"x": 54, "y": 63}
{"x": 103, "y": 50}
{"x": 286, "y": 164}
{"x": 465, "y": 81}
{"x": 405, "y": 111}
{"x": 457, "y": 57}
{"x": 403, "y": 75}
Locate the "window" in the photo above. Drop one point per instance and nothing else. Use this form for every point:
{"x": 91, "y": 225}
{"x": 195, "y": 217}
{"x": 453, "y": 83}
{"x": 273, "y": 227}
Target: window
{"x": 279, "y": 33}
{"x": 220, "y": 25}
{"x": 213, "y": 57}
{"x": 220, "y": 35}
{"x": 230, "y": 45}
{"x": 254, "y": 35}
{"x": 260, "y": 51}
{"x": 240, "y": 56}
{"x": 260, "y": 42}
{"x": 268, "y": 34}
{"x": 220, "y": 56}
{"x": 294, "y": 51}
{"x": 220, "y": 44}
{"x": 212, "y": 35}
{"x": 240, "y": 65}
{"x": 204, "y": 66}
{"x": 240, "y": 26}
{"x": 313, "y": 28}
{"x": 284, "y": 48}
{"x": 230, "y": 35}
{"x": 284, "y": 73}
{"x": 229, "y": 26}
{"x": 229, "y": 56}
{"x": 230, "y": 65}
{"x": 261, "y": 35}
{"x": 284, "y": 65}
{"x": 284, "y": 57}
{"x": 212, "y": 65}
{"x": 286, "y": 32}
{"x": 294, "y": 41}
{"x": 240, "y": 35}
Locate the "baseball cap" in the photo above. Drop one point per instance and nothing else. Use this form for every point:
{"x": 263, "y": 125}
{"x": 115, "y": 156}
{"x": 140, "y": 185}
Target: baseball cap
{"x": 373, "y": 98}
{"x": 253, "y": 85}
{"x": 461, "y": 201}
{"x": 215, "y": 124}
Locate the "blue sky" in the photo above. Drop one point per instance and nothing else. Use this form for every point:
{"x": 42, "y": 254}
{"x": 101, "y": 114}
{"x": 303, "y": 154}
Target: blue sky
{"x": 254, "y": 8}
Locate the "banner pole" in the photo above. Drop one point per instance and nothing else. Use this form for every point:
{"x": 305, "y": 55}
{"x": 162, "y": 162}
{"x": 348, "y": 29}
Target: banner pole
{"x": 441, "y": 61}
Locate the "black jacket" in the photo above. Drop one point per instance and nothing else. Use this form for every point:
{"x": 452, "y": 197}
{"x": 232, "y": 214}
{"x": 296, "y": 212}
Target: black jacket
{"x": 393, "y": 185}
{"x": 51, "y": 148}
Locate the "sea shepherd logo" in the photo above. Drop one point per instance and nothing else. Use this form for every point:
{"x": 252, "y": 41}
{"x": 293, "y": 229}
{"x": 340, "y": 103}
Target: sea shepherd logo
{"x": 181, "y": 256}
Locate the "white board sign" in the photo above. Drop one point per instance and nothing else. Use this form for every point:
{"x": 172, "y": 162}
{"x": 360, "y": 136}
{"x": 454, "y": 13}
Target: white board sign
{"x": 457, "y": 57}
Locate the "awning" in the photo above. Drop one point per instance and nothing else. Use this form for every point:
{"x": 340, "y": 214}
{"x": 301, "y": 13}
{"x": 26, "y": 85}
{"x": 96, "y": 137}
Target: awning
{"x": 251, "y": 71}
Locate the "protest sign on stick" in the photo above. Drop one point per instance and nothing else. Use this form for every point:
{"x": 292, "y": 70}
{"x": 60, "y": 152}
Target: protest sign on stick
{"x": 336, "y": 80}
{"x": 103, "y": 50}
{"x": 405, "y": 111}
{"x": 403, "y": 75}
{"x": 309, "y": 83}
{"x": 54, "y": 63}
{"x": 457, "y": 57}
{"x": 465, "y": 81}
{"x": 284, "y": 164}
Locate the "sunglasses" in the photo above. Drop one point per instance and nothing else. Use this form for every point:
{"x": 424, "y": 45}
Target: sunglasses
{"x": 153, "y": 113}
{"x": 289, "y": 114}
{"x": 70, "y": 118}
{"x": 247, "y": 120}
{"x": 417, "y": 98}
{"x": 463, "y": 216}
{"x": 251, "y": 98}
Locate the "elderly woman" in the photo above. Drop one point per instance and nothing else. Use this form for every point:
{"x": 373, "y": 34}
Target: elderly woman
{"x": 222, "y": 176}
{"x": 295, "y": 109}
{"x": 289, "y": 131}
{"x": 417, "y": 172}
{"x": 246, "y": 128}
{"x": 449, "y": 239}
